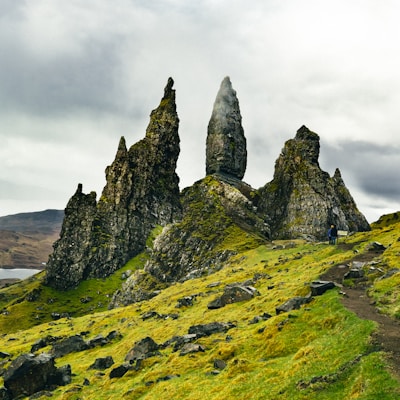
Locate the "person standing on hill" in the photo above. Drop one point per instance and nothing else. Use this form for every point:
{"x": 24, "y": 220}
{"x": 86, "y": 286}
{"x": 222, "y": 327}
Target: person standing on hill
{"x": 332, "y": 234}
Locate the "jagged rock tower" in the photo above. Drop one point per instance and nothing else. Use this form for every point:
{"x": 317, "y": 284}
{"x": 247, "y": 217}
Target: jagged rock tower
{"x": 226, "y": 152}
{"x": 142, "y": 191}
{"x": 303, "y": 200}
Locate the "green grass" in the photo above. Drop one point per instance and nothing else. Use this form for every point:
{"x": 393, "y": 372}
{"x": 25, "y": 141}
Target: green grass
{"x": 322, "y": 351}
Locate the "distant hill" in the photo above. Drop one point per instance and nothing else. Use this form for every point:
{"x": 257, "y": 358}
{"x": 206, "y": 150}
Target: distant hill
{"x": 26, "y": 239}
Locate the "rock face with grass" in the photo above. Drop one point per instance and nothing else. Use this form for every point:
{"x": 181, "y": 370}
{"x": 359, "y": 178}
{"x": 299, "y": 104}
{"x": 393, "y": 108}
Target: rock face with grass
{"x": 226, "y": 144}
{"x": 303, "y": 200}
{"x": 142, "y": 191}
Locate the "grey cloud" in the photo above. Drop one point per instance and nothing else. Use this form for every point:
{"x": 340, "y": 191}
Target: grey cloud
{"x": 374, "y": 168}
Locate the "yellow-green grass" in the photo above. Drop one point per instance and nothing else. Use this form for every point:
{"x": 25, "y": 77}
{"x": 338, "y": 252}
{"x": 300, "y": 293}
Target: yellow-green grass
{"x": 321, "y": 351}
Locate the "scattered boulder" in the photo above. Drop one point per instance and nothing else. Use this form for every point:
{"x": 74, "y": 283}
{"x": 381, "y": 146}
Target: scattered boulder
{"x": 29, "y": 374}
{"x": 143, "y": 349}
{"x": 211, "y": 328}
{"x": 390, "y": 273}
{"x": 43, "y": 342}
{"x": 120, "y": 371}
{"x": 259, "y": 318}
{"x": 376, "y": 246}
{"x": 179, "y": 341}
{"x": 102, "y": 363}
{"x": 293, "y": 304}
{"x": 320, "y": 287}
{"x": 189, "y": 348}
{"x": 219, "y": 364}
{"x": 186, "y": 301}
{"x": 69, "y": 345}
{"x": 233, "y": 294}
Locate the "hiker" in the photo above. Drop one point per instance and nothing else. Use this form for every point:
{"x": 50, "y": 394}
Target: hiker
{"x": 332, "y": 234}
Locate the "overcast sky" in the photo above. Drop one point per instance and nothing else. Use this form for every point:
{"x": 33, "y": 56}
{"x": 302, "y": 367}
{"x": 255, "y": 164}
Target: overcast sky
{"x": 77, "y": 75}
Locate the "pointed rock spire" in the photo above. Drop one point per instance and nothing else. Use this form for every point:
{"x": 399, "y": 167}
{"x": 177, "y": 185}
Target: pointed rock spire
{"x": 141, "y": 192}
{"x": 226, "y": 151}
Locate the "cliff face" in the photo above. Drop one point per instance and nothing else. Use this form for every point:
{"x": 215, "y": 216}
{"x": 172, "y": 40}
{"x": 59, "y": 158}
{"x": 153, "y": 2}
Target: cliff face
{"x": 303, "y": 200}
{"x": 142, "y": 191}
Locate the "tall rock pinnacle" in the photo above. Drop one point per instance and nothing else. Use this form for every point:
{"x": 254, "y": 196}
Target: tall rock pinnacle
{"x": 142, "y": 191}
{"x": 226, "y": 151}
{"x": 303, "y": 200}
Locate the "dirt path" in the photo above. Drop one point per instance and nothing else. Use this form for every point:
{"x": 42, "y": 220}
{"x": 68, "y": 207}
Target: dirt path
{"x": 387, "y": 337}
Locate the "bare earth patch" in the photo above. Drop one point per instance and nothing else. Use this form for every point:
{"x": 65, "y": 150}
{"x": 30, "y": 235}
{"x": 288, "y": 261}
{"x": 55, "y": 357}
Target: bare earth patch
{"x": 387, "y": 337}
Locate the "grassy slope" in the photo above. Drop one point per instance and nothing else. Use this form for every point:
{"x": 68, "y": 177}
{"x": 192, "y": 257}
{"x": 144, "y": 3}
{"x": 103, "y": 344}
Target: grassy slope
{"x": 321, "y": 351}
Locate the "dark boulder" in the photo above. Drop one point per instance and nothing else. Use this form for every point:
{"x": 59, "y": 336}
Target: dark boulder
{"x": 120, "y": 371}
{"x": 293, "y": 304}
{"x": 69, "y": 345}
{"x": 143, "y": 349}
{"x": 211, "y": 328}
{"x": 189, "y": 348}
{"x": 233, "y": 294}
{"x": 320, "y": 287}
{"x": 102, "y": 363}
{"x": 29, "y": 374}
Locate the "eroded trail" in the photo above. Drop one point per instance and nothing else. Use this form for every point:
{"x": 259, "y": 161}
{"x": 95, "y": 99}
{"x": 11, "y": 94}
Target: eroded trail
{"x": 387, "y": 337}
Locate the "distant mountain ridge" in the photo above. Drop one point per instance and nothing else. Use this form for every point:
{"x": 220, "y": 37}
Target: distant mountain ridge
{"x": 26, "y": 239}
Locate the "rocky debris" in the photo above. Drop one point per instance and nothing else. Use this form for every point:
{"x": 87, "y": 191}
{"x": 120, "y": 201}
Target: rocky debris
{"x": 29, "y": 374}
{"x": 75, "y": 343}
{"x": 186, "y": 301}
{"x": 298, "y": 186}
{"x": 211, "y": 328}
{"x": 143, "y": 349}
{"x": 142, "y": 191}
{"x": 43, "y": 342}
{"x": 179, "y": 341}
{"x": 189, "y": 348}
{"x": 226, "y": 151}
{"x": 233, "y": 294}
{"x": 259, "y": 318}
{"x": 293, "y": 304}
{"x": 102, "y": 363}
{"x": 320, "y": 287}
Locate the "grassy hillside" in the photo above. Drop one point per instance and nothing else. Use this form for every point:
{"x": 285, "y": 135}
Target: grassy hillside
{"x": 321, "y": 351}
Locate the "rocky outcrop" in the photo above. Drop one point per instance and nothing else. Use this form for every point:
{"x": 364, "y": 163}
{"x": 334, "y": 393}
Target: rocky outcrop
{"x": 302, "y": 200}
{"x": 226, "y": 151}
{"x": 218, "y": 219}
{"x": 142, "y": 191}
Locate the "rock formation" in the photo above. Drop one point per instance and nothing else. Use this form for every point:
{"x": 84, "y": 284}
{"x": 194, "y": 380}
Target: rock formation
{"x": 303, "y": 200}
{"x": 142, "y": 191}
{"x": 208, "y": 222}
{"x": 226, "y": 144}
